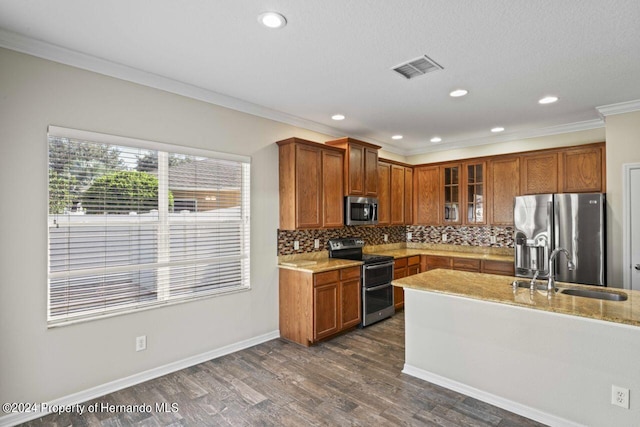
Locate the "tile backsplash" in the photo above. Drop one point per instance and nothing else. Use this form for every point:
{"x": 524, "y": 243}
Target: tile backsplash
{"x": 374, "y": 235}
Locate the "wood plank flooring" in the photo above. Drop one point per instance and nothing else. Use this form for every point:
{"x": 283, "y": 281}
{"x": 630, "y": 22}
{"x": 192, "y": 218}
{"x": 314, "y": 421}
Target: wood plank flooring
{"x": 352, "y": 380}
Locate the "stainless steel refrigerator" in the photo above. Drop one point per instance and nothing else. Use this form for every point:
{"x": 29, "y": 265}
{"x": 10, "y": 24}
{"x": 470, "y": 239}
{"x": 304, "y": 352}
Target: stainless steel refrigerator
{"x": 575, "y": 222}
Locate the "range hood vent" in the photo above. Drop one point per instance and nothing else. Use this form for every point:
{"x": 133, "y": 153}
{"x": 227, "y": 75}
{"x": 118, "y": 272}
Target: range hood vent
{"x": 417, "y": 67}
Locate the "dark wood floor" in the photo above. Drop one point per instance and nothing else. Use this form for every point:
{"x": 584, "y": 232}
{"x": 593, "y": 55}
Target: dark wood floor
{"x": 352, "y": 380}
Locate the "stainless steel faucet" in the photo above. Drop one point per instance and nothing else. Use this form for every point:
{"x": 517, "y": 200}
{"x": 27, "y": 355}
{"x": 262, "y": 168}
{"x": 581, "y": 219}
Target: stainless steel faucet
{"x": 551, "y": 283}
{"x": 533, "y": 281}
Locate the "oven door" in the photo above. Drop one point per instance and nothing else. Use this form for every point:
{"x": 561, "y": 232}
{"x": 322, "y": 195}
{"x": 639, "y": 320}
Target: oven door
{"x": 377, "y": 303}
{"x": 377, "y": 274}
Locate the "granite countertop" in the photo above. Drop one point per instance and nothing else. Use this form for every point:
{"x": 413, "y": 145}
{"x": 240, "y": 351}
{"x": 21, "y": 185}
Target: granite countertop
{"x": 318, "y": 265}
{"x": 318, "y": 262}
{"x": 493, "y": 288}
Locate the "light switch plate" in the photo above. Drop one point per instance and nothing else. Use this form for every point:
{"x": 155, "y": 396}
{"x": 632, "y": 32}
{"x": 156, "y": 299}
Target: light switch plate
{"x": 296, "y": 245}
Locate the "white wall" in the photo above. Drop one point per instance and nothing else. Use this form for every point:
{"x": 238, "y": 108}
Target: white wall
{"x": 40, "y": 364}
{"x": 623, "y": 146}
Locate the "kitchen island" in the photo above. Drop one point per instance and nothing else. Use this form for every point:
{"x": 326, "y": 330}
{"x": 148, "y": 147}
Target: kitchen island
{"x": 553, "y": 358}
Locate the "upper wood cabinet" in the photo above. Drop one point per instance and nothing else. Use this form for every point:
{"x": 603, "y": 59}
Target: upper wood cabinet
{"x": 474, "y": 204}
{"x": 582, "y": 170}
{"x": 395, "y": 190}
{"x": 539, "y": 173}
{"x": 384, "y": 193}
{"x": 426, "y": 188}
{"x": 504, "y": 173}
{"x": 310, "y": 185}
{"x": 360, "y": 166}
{"x": 451, "y": 193}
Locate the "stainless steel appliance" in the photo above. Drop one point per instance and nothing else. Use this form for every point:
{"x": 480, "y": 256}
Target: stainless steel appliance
{"x": 575, "y": 222}
{"x": 376, "y": 277}
{"x": 360, "y": 210}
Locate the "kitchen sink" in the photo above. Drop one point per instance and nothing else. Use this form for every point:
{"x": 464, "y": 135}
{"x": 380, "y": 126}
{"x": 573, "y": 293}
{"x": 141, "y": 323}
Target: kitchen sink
{"x": 540, "y": 286}
{"x": 586, "y": 293}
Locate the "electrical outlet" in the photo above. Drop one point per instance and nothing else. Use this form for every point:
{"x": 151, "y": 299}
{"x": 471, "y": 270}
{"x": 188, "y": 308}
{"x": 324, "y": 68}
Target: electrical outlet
{"x": 316, "y": 243}
{"x": 141, "y": 343}
{"x": 409, "y": 236}
{"x": 444, "y": 237}
{"x": 620, "y": 396}
{"x": 296, "y": 245}
{"x": 492, "y": 239}
{"x": 385, "y": 237}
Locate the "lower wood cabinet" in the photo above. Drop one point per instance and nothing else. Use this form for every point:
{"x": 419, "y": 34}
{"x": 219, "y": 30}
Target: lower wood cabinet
{"x": 432, "y": 262}
{"x": 404, "y": 267}
{"x": 316, "y": 306}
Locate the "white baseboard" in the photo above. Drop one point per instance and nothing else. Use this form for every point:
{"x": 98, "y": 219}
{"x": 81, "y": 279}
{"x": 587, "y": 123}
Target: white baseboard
{"x": 501, "y": 402}
{"x": 113, "y": 386}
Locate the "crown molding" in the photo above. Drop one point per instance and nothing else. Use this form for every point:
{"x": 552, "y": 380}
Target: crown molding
{"x": 619, "y": 108}
{"x": 512, "y": 136}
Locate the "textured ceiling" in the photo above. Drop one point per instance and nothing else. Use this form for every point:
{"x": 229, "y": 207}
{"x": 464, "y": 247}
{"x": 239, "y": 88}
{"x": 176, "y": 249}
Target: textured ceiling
{"x": 335, "y": 56}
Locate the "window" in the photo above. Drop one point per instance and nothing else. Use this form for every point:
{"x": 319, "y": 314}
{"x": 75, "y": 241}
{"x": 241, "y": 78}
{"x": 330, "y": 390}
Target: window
{"x": 135, "y": 224}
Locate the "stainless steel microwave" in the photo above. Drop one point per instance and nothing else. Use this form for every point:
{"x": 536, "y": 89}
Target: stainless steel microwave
{"x": 360, "y": 210}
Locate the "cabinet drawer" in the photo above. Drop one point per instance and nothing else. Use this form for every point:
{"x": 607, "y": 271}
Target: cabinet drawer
{"x": 414, "y": 260}
{"x": 350, "y": 273}
{"x": 400, "y": 263}
{"x": 498, "y": 267}
{"x": 413, "y": 269}
{"x": 466, "y": 264}
{"x": 320, "y": 279}
{"x": 434, "y": 262}
{"x": 399, "y": 273}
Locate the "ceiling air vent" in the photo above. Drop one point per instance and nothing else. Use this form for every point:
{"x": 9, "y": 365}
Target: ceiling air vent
{"x": 417, "y": 67}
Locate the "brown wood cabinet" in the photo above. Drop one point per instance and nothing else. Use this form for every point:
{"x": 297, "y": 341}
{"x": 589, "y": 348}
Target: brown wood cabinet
{"x": 504, "y": 179}
{"x": 316, "y": 306}
{"x": 395, "y": 192}
{"x": 502, "y": 268}
{"x": 539, "y": 173}
{"x": 426, "y": 195}
{"x": 404, "y": 267}
{"x": 360, "y": 166}
{"x": 384, "y": 193}
{"x": 582, "y": 170}
{"x": 310, "y": 185}
{"x": 432, "y": 262}
{"x": 450, "y": 193}
{"x": 474, "y": 195}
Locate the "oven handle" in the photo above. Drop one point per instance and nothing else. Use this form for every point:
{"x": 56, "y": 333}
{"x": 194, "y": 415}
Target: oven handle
{"x": 378, "y": 266}
{"x": 376, "y": 288}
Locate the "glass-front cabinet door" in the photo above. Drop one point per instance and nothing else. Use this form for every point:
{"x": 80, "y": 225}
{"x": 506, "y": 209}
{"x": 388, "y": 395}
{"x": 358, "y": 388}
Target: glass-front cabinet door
{"x": 474, "y": 206}
{"x": 451, "y": 192}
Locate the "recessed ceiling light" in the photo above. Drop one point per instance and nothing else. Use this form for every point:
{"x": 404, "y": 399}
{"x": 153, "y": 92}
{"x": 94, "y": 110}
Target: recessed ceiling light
{"x": 272, "y": 20}
{"x": 338, "y": 117}
{"x": 548, "y": 100}
{"x": 436, "y": 139}
{"x": 396, "y": 137}
{"x": 458, "y": 93}
{"x": 497, "y": 129}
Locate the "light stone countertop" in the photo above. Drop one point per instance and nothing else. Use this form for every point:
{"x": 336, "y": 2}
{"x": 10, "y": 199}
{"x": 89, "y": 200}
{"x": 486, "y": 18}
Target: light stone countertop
{"x": 494, "y": 288}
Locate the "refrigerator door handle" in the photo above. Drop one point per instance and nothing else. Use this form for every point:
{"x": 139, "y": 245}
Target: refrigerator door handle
{"x": 637, "y": 267}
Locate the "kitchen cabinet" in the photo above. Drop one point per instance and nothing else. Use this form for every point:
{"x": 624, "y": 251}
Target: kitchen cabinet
{"x": 582, "y": 170}
{"x": 502, "y": 268}
{"x": 315, "y": 306}
{"x": 504, "y": 173}
{"x": 426, "y": 195}
{"x": 476, "y": 265}
{"x": 384, "y": 193}
{"x": 451, "y": 189}
{"x": 395, "y": 191}
{"x": 360, "y": 166}
{"x": 403, "y": 267}
{"x": 539, "y": 173}
{"x": 475, "y": 191}
{"x": 311, "y": 185}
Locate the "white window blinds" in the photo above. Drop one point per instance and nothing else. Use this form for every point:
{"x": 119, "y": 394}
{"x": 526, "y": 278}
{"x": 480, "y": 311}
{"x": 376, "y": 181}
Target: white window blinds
{"x": 135, "y": 224}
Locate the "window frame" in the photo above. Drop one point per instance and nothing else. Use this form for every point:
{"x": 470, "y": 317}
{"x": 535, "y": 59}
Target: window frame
{"x": 163, "y": 298}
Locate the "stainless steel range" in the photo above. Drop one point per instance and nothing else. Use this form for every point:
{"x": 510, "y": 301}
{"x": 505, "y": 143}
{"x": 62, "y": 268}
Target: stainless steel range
{"x": 376, "y": 277}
